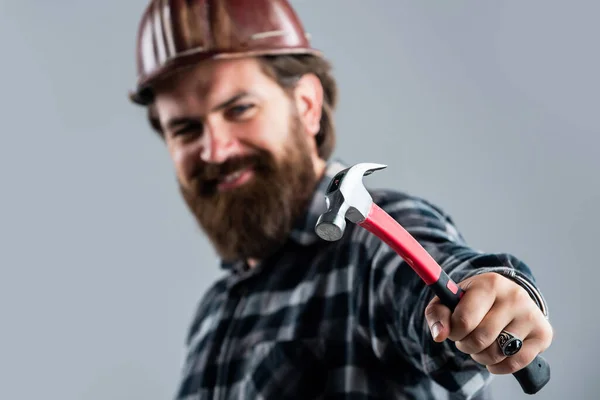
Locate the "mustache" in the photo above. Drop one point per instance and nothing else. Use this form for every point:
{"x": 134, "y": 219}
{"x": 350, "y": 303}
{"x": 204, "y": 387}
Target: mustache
{"x": 207, "y": 176}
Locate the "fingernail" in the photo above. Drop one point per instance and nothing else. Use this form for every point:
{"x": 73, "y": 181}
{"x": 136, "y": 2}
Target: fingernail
{"x": 436, "y": 329}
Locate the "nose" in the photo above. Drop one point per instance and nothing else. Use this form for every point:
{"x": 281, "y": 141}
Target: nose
{"x": 217, "y": 145}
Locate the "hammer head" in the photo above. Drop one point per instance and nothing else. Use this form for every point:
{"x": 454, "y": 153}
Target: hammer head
{"x": 346, "y": 197}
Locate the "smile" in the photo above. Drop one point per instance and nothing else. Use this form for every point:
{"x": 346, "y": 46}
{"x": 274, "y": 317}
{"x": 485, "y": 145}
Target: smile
{"x": 235, "y": 179}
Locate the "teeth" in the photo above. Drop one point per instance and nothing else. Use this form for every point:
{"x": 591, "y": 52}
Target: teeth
{"x": 232, "y": 177}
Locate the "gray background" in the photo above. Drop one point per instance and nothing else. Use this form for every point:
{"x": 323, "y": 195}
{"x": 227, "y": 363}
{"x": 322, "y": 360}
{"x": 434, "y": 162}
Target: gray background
{"x": 489, "y": 109}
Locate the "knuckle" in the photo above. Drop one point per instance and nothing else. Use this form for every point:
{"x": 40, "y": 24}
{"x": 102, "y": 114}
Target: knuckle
{"x": 430, "y": 310}
{"x": 514, "y": 363}
{"x": 546, "y": 336}
{"x": 521, "y": 296}
{"x": 490, "y": 282}
{"x": 496, "y": 357}
{"x": 493, "y": 357}
{"x": 496, "y": 282}
{"x": 532, "y": 315}
{"x": 462, "y": 322}
{"x": 480, "y": 340}
{"x": 433, "y": 314}
{"x": 497, "y": 279}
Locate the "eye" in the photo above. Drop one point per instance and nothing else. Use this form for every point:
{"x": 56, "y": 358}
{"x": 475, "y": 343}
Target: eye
{"x": 189, "y": 128}
{"x": 239, "y": 111}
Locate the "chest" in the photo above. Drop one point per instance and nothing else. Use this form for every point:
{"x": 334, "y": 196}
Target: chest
{"x": 250, "y": 316}
{"x": 257, "y": 338}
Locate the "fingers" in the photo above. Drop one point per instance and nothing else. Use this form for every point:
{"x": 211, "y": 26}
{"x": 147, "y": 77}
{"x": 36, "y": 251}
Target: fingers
{"x": 472, "y": 309}
{"x": 491, "y": 304}
{"x": 438, "y": 319}
{"x": 467, "y": 315}
{"x": 481, "y": 341}
{"x": 492, "y": 353}
{"x": 536, "y": 342}
{"x": 536, "y": 335}
{"x": 514, "y": 363}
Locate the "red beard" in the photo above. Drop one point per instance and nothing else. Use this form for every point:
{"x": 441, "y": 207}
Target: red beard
{"x": 255, "y": 219}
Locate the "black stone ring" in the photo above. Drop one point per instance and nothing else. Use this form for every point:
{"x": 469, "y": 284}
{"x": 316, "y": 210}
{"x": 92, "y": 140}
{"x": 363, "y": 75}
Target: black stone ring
{"x": 509, "y": 343}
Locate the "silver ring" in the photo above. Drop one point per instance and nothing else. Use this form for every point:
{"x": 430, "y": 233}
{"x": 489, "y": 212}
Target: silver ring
{"x": 509, "y": 343}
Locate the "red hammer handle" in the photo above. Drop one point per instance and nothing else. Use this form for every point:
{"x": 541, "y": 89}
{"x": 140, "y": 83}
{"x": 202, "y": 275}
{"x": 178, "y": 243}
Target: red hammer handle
{"x": 531, "y": 378}
{"x": 382, "y": 225}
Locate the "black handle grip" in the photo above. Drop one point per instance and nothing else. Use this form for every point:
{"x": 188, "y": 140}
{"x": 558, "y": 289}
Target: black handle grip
{"x": 533, "y": 377}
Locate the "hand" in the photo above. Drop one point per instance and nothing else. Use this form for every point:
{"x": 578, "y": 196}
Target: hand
{"x": 491, "y": 303}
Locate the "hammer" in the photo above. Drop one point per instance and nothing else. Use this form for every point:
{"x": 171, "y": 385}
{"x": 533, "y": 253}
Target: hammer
{"x": 347, "y": 198}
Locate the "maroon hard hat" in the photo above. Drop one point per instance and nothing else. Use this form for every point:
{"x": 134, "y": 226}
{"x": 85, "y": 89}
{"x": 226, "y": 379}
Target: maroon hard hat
{"x": 178, "y": 33}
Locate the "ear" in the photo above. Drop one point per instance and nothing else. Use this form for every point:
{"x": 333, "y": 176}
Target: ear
{"x": 308, "y": 95}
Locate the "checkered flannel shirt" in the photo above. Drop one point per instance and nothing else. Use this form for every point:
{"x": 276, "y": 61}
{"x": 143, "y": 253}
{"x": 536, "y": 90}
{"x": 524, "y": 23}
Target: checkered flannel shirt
{"x": 337, "y": 320}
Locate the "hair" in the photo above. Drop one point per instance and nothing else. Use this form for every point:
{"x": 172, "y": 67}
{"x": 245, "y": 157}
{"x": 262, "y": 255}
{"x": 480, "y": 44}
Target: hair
{"x": 286, "y": 69}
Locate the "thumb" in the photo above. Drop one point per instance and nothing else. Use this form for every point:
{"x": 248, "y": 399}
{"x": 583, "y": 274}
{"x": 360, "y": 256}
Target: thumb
{"x": 438, "y": 317}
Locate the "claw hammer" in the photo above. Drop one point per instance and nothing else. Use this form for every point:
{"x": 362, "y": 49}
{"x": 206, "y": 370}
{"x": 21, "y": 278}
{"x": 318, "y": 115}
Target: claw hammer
{"x": 347, "y": 198}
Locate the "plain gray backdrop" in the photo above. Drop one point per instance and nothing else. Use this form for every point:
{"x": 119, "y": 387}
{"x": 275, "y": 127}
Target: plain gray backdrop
{"x": 488, "y": 109}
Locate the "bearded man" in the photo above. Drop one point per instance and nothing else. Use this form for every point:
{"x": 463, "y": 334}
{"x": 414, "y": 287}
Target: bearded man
{"x": 245, "y": 107}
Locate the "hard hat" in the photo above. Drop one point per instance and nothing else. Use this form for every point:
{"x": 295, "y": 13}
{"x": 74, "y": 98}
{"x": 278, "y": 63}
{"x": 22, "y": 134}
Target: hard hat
{"x": 174, "y": 34}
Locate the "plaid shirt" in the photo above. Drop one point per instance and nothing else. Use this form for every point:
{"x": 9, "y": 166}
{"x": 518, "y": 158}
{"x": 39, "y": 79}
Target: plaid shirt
{"x": 337, "y": 320}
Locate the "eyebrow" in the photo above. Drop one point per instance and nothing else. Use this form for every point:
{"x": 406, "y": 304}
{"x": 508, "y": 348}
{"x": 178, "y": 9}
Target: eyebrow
{"x": 177, "y": 121}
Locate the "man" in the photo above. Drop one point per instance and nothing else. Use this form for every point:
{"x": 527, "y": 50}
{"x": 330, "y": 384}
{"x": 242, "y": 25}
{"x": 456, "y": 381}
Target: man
{"x": 245, "y": 108}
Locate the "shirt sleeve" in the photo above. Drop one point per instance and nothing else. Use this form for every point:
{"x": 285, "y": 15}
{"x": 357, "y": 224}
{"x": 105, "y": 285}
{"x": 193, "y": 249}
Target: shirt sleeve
{"x": 397, "y": 297}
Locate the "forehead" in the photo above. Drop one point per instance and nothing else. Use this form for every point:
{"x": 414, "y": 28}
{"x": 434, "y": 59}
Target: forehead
{"x": 213, "y": 79}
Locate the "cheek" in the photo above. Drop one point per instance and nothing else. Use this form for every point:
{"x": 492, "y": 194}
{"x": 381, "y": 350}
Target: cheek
{"x": 182, "y": 161}
{"x": 268, "y": 134}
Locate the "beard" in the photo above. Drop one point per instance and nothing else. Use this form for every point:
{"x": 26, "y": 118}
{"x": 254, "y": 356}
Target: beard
{"x": 254, "y": 219}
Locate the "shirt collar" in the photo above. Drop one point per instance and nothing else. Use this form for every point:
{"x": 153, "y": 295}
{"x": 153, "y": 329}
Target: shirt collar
{"x": 303, "y": 232}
